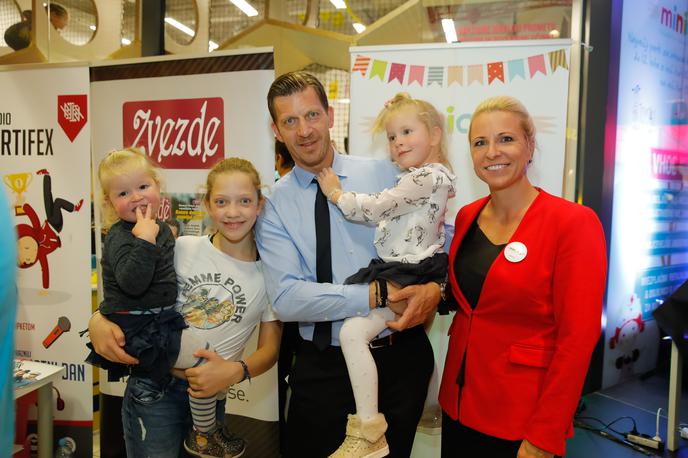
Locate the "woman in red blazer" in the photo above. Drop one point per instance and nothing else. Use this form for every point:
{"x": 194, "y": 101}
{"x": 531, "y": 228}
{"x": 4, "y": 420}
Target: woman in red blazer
{"x": 528, "y": 271}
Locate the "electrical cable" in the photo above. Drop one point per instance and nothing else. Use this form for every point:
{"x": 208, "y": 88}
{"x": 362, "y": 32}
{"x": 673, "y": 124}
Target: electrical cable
{"x": 608, "y": 425}
{"x": 606, "y": 435}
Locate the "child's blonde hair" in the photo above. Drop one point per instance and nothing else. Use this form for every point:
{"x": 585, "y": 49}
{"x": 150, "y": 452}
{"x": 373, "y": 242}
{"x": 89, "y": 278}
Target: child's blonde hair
{"x": 117, "y": 163}
{"x": 232, "y": 164}
{"x": 425, "y": 111}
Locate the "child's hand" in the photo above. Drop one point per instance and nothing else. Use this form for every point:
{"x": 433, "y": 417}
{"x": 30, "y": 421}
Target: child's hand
{"x": 329, "y": 183}
{"x": 145, "y": 228}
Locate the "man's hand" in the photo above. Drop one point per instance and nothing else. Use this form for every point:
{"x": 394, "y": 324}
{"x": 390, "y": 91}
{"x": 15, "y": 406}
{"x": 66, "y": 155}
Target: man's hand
{"x": 145, "y": 228}
{"x": 213, "y": 376}
{"x": 108, "y": 340}
{"x": 421, "y": 304}
{"x": 528, "y": 450}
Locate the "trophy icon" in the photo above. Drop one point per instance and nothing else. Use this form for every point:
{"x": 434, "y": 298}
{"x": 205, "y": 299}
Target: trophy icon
{"x": 18, "y": 182}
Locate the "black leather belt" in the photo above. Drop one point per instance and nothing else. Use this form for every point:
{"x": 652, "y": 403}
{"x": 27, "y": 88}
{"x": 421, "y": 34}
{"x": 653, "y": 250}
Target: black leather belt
{"x": 397, "y": 337}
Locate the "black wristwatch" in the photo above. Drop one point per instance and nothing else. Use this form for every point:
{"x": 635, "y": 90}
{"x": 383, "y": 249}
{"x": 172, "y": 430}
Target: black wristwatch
{"x": 247, "y": 374}
{"x": 443, "y": 290}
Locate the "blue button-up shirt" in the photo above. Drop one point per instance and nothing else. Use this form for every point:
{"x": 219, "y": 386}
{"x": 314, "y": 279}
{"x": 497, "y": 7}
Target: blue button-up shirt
{"x": 285, "y": 235}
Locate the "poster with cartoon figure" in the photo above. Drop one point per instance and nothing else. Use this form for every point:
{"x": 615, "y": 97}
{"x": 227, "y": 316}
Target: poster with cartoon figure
{"x": 45, "y": 153}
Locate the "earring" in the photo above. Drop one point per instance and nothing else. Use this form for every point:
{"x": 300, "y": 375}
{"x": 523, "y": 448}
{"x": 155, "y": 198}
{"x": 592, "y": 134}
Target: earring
{"x": 530, "y": 161}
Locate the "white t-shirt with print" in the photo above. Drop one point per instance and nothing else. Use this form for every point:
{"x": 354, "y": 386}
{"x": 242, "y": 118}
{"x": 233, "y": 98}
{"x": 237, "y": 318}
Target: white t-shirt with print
{"x": 221, "y": 298}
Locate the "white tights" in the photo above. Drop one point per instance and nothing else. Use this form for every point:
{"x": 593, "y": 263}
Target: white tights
{"x": 354, "y": 337}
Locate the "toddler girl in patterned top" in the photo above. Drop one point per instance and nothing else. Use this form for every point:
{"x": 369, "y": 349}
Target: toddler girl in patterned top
{"x": 409, "y": 240}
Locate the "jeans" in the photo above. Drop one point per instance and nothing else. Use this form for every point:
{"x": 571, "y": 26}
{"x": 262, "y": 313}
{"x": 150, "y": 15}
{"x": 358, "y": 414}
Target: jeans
{"x": 156, "y": 417}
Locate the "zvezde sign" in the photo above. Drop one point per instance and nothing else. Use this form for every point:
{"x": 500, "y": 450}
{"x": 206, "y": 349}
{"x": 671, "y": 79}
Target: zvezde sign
{"x": 176, "y": 134}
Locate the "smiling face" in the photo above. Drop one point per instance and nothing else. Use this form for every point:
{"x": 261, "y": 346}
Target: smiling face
{"x": 500, "y": 149}
{"x": 303, "y": 124}
{"x": 132, "y": 190}
{"x": 410, "y": 142}
{"x": 234, "y": 205}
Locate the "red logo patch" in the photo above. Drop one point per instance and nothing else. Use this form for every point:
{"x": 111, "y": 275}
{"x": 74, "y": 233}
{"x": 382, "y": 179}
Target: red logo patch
{"x": 177, "y": 134}
{"x": 72, "y": 114}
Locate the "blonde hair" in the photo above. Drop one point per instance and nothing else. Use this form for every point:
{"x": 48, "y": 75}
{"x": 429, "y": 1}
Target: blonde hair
{"x": 426, "y": 113}
{"x": 117, "y": 163}
{"x": 229, "y": 165}
{"x": 506, "y": 104}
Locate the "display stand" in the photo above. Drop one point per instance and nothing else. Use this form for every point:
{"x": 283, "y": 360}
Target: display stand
{"x": 675, "y": 376}
{"x": 40, "y": 378}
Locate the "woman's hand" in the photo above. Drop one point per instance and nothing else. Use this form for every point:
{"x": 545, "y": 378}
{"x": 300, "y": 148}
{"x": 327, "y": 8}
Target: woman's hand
{"x": 528, "y": 450}
{"x": 108, "y": 340}
{"x": 213, "y": 376}
{"x": 329, "y": 183}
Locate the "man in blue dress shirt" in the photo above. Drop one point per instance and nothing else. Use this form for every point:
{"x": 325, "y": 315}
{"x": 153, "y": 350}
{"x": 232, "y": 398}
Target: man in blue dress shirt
{"x": 286, "y": 237}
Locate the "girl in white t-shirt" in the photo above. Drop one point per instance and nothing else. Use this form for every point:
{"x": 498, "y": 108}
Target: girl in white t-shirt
{"x": 221, "y": 294}
{"x": 409, "y": 240}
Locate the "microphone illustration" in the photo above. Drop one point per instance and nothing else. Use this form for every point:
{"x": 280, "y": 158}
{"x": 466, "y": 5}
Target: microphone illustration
{"x": 63, "y": 325}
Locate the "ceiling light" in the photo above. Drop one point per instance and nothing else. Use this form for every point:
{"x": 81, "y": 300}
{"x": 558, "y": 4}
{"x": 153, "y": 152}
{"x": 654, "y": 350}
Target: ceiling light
{"x": 339, "y": 4}
{"x": 126, "y": 41}
{"x": 244, "y": 6}
{"x": 359, "y": 27}
{"x": 92, "y": 27}
{"x": 179, "y": 26}
{"x": 212, "y": 46}
{"x": 449, "y": 30}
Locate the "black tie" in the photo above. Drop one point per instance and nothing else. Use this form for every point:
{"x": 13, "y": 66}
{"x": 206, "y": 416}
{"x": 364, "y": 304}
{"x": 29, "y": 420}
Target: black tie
{"x": 322, "y": 334}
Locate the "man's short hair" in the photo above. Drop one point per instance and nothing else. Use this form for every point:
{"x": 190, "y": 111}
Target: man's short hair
{"x": 293, "y": 82}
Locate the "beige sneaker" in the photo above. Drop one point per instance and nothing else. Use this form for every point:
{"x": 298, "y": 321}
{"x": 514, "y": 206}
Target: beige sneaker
{"x": 364, "y": 439}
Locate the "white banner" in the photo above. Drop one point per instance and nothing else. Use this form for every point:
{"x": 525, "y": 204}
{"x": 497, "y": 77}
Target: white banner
{"x": 455, "y": 79}
{"x": 44, "y": 148}
{"x": 187, "y": 120}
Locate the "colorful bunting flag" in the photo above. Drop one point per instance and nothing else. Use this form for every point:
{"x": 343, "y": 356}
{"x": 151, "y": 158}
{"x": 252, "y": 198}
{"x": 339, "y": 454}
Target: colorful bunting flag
{"x": 495, "y": 71}
{"x": 474, "y": 73}
{"x": 396, "y": 72}
{"x": 454, "y": 75}
{"x": 557, "y": 59}
{"x": 516, "y": 68}
{"x": 361, "y": 65}
{"x": 537, "y": 64}
{"x": 416, "y": 73}
{"x": 435, "y": 75}
{"x": 378, "y": 69}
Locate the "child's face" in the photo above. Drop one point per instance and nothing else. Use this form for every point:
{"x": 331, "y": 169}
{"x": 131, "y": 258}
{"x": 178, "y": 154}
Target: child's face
{"x": 233, "y": 206}
{"x": 410, "y": 142}
{"x": 27, "y": 251}
{"x": 133, "y": 190}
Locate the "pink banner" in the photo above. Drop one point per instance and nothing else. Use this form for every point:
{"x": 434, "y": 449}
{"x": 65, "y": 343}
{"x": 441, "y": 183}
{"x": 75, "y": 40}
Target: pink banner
{"x": 396, "y": 72}
{"x": 416, "y": 74}
{"x": 536, "y": 64}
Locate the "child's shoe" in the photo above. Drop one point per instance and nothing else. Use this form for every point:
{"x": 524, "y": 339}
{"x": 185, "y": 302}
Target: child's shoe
{"x": 364, "y": 439}
{"x": 213, "y": 444}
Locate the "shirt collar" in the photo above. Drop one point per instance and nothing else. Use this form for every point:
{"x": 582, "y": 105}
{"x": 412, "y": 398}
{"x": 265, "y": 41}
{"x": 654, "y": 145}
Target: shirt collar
{"x": 305, "y": 178}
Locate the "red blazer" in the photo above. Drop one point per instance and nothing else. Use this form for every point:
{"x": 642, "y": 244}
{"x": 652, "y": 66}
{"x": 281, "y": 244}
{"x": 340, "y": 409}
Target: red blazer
{"x": 528, "y": 342}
